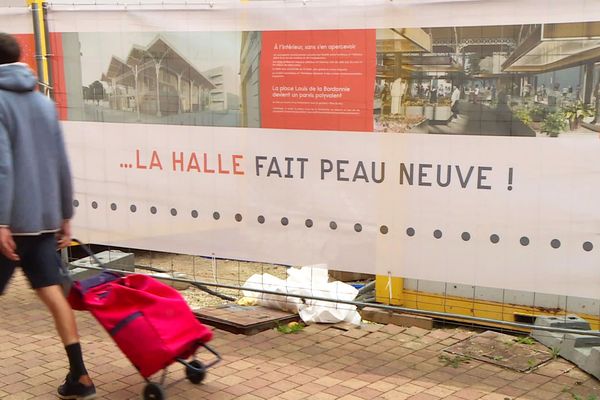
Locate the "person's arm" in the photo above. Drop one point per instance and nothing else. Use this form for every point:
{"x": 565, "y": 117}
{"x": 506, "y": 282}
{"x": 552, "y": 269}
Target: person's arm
{"x": 7, "y": 244}
{"x": 6, "y": 176}
{"x": 66, "y": 189}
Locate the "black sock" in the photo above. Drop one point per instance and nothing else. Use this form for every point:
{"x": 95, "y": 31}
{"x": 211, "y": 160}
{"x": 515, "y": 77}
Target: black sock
{"x": 76, "y": 366}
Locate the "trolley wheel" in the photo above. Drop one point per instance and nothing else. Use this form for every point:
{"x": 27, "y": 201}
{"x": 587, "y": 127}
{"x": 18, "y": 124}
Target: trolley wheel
{"x": 153, "y": 391}
{"x": 195, "y": 372}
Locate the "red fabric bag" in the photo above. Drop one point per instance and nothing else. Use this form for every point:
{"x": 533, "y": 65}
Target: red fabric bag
{"x": 150, "y": 321}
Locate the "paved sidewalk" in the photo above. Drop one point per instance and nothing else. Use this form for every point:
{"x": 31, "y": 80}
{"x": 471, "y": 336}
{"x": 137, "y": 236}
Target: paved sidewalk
{"x": 321, "y": 362}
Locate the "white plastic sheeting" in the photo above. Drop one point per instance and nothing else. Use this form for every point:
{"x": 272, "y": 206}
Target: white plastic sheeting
{"x": 306, "y": 281}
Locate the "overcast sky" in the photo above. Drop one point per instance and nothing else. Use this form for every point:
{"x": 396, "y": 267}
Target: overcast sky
{"x": 204, "y": 50}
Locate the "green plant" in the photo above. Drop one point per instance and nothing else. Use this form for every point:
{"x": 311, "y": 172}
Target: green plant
{"x": 538, "y": 112}
{"x": 577, "y": 111}
{"x": 454, "y": 361}
{"x": 554, "y": 123}
{"x": 414, "y": 102}
{"x": 578, "y": 397}
{"x": 523, "y": 114}
{"x": 292, "y": 327}
{"x": 524, "y": 340}
{"x": 555, "y": 352}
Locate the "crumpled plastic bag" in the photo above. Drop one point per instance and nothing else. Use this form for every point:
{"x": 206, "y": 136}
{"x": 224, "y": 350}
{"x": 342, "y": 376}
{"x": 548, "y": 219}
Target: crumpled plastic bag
{"x": 247, "y": 301}
{"x": 306, "y": 281}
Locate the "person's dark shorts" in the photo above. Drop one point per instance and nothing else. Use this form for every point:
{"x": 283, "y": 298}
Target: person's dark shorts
{"x": 39, "y": 261}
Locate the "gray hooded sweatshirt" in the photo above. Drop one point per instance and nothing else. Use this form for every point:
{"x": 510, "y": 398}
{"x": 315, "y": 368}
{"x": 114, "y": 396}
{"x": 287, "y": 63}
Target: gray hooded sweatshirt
{"x": 35, "y": 180}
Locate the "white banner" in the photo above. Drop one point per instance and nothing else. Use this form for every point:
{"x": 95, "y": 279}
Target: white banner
{"x": 444, "y": 141}
{"x": 15, "y": 20}
{"x": 517, "y": 213}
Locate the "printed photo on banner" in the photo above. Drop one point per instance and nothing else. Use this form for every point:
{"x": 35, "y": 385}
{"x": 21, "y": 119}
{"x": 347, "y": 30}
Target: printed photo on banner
{"x": 514, "y": 80}
{"x": 535, "y": 80}
{"x": 188, "y": 78}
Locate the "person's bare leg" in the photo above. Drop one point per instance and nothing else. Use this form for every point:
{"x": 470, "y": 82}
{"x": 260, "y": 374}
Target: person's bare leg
{"x": 64, "y": 318}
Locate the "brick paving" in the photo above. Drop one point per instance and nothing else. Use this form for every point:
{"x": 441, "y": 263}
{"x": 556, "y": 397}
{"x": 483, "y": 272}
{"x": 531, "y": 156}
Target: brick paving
{"x": 321, "y": 363}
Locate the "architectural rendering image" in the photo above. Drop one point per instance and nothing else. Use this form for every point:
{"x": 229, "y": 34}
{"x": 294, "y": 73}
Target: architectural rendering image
{"x": 156, "y": 83}
{"x": 517, "y": 80}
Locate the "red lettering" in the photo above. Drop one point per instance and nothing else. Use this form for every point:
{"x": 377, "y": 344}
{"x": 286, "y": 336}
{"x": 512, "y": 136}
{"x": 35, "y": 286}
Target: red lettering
{"x": 137, "y": 160}
{"x": 193, "y": 164}
{"x": 236, "y": 164}
{"x": 155, "y": 161}
{"x": 220, "y": 163}
{"x": 178, "y": 161}
{"x": 206, "y": 169}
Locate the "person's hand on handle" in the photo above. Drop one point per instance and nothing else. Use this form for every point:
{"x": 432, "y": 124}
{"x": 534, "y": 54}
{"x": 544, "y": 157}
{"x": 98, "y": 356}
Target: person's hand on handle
{"x": 64, "y": 235}
{"x": 8, "y": 247}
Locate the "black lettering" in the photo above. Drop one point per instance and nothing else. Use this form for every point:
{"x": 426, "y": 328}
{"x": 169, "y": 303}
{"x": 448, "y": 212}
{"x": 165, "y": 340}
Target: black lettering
{"x": 423, "y": 174}
{"x": 326, "y": 167}
{"x": 341, "y": 169}
{"x": 274, "y": 168}
{"x": 259, "y": 164}
{"x": 465, "y": 181}
{"x": 360, "y": 173}
{"x": 374, "y": 176}
{"x": 481, "y": 177}
{"x": 404, "y": 173}
{"x": 302, "y": 161}
{"x": 289, "y": 160}
{"x": 448, "y": 176}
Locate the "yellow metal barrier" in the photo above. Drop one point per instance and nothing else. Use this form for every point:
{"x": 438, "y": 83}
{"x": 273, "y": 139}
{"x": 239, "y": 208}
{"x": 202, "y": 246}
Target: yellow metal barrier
{"x": 390, "y": 290}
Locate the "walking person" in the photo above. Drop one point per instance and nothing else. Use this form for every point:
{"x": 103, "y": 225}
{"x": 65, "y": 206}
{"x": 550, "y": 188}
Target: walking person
{"x": 36, "y": 203}
{"x": 454, "y": 98}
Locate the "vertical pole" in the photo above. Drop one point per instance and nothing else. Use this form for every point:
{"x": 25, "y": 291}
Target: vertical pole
{"x": 40, "y": 36}
{"x": 179, "y": 76}
{"x": 158, "y": 113}
{"x": 37, "y": 35}
{"x": 48, "y": 52}
{"x": 137, "y": 92}
{"x": 588, "y": 83}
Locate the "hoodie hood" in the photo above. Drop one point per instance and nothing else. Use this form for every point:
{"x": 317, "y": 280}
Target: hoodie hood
{"x": 17, "y": 77}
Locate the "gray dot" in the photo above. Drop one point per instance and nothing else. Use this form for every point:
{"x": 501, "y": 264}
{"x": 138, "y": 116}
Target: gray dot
{"x": 75, "y": 203}
{"x": 410, "y": 231}
{"x": 153, "y": 210}
{"x": 524, "y": 240}
{"x": 133, "y": 208}
{"x": 494, "y": 238}
{"x": 261, "y": 219}
{"x": 588, "y": 246}
{"x": 357, "y": 227}
{"x": 466, "y": 236}
{"x": 332, "y": 225}
{"x": 437, "y": 234}
{"x": 173, "y": 212}
{"x": 555, "y": 243}
{"x": 194, "y": 214}
{"x": 113, "y": 207}
{"x": 94, "y": 205}
{"x": 238, "y": 217}
{"x": 284, "y": 221}
{"x": 383, "y": 229}
{"x": 216, "y": 215}
{"x": 308, "y": 223}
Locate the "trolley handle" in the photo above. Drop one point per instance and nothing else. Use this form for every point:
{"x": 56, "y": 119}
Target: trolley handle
{"x": 103, "y": 277}
{"x": 90, "y": 253}
{"x": 201, "y": 367}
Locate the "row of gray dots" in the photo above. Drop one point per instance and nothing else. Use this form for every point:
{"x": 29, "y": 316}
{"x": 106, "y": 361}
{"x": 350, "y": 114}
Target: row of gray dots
{"x": 383, "y": 229}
